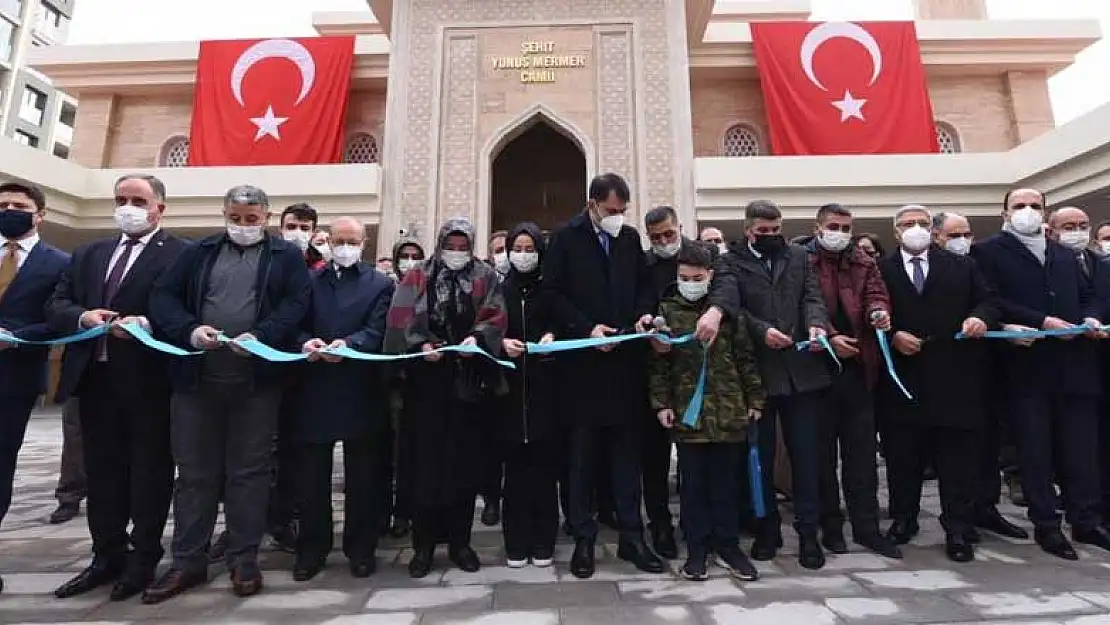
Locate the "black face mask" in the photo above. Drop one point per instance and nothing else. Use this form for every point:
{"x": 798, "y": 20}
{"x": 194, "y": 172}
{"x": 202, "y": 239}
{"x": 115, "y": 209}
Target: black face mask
{"x": 15, "y": 223}
{"x": 769, "y": 244}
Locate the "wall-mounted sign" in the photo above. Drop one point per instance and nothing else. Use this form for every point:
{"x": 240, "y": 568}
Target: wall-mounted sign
{"x": 538, "y": 61}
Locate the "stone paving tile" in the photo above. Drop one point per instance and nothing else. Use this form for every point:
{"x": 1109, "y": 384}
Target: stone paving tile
{"x": 507, "y": 617}
{"x": 531, "y": 596}
{"x": 631, "y": 615}
{"x": 926, "y": 608}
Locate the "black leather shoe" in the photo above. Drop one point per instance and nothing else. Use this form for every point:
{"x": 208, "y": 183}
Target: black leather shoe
{"x": 65, "y": 512}
{"x": 306, "y": 567}
{"x": 364, "y": 568}
{"x": 636, "y": 552}
{"x": 99, "y": 573}
{"x": 662, "y": 539}
{"x": 1098, "y": 536}
{"x": 582, "y": 563}
{"x": 421, "y": 563}
{"x": 491, "y": 514}
{"x": 902, "y": 531}
{"x": 958, "y": 548}
{"x": 993, "y": 521}
{"x": 1052, "y": 541}
{"x": 810, "y": 555}
{"x": 172, "y": 583}
{"x": 874, "y": 541}
{"x": 833, "y": 540}
{"x": 134, "y": 581}
{"x": 466, "y": 559}
{"x": 400, "y": 528}
{"x": 766, "y": 546}
{"x": 973, "y": 536}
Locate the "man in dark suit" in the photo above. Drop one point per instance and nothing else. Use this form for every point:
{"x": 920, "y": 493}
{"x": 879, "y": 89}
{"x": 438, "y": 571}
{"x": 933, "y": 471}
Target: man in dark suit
{"x": 123, "y": 388}
{"x": 1053, "y": 383}
{"x": 599, "y": 285}
{"x": 29, "y": 269}
{"x": 934, "y": 294}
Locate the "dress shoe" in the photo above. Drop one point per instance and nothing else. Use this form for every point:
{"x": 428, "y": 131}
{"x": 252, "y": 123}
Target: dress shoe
{"x": 1052, "y": 541}
{"x": 421, "y": 563}
{"x": 172, "y": 583}
{"x": 636, "y": 552}
{"x": 400, "y": 528}
{"x": 491, "y": 514}
{"x": 993, "y": 521}
{"x": 833, "y": 540}
{"x": 810, "y": 555}
{"x": 102, "y": 571}
{"x": 766, "y": 545}
{"x": 66, "y": 511}
{"x": 876, "y": 542}
{"x": 466, "y": 559}
{"x": 958, "y": 548}
{"x": 306, "y": 566}
{"x": 582, "y": 563}
{"x": 364, "y": 568}
{"x": 902, "y": 531}
{"x": 662, "y": 539}
{"x": 246, "y": 579}
{"x": 134, "y": 581}
{"x": 218, "y": 547}
{"x": 1098, "y": 536}
{"x": 973, "y": 536}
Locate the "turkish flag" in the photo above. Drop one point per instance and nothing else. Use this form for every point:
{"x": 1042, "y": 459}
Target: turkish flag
{"x": 271, "y": 101}
{"x": 844, "y": 88}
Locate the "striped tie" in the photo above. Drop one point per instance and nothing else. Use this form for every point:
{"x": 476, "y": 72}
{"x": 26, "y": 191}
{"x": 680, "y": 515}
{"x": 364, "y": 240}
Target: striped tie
{"x": 9, "y": 266}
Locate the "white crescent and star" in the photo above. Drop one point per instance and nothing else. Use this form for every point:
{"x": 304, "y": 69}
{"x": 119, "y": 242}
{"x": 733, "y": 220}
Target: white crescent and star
{"x": 296, "y": 53}
{"x": 850, "y": 107}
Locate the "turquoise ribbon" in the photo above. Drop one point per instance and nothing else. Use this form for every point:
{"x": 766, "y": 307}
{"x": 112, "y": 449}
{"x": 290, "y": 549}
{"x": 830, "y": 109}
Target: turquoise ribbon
{"x": 1034, "y": 334}
{"x": 84, "y": 335}
{"x": 823, "y": 341}
{"x": 693, "y": 408}
{"x": 884, "y": 347}
{"x": 573, "y": 344}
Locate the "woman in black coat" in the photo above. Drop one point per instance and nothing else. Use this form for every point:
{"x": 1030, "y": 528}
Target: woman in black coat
{"x": 528, "y": 428}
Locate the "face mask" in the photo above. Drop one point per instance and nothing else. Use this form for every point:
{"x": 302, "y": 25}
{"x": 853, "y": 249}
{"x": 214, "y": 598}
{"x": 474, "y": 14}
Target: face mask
{"x": 667, "y": 251}
{"x": 769, "y": 244}
{"x": 405, "y": 264}
{"x": 722, "y": 248}
{"x": 325, "y": 251}
{"x": 299, "y": 237}
{"x": 834, "y": 241}
{"x": 961, "y": 245}
{"x": 132, "y": 219}
{"x": 525, "y": 262}
{"x": 245, "y": 235}
{"x": 455, "y": 260}
{"x": 347, "y": 255}
{"x": 15, "y": 223}
{"x": 612, "y": 224}
{"x": 501, "y": 262}
{"x": 1026, "y": 221}
{"x": 915, "y": 239}
{"x": 1104, "y": 246}
{"x": 1076, "y": 240}
{"x": 693, "y": 291}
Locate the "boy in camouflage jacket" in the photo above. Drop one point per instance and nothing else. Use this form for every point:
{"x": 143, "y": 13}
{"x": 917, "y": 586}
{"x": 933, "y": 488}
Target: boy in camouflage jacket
{"x": 711, "y": 453}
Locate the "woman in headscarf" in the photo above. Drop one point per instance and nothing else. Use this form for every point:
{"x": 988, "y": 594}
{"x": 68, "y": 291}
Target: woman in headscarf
{"x": 529, "y": 429}
{"x": 452, "y": 299}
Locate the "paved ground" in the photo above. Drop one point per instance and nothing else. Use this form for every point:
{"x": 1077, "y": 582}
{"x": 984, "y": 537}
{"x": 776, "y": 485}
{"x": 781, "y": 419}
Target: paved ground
{"x": 1012, "y": 582}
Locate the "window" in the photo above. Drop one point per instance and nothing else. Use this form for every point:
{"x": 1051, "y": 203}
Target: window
{"x": 740, "y": 140}
{"x": 49, "y": 22}
{"x": 34, "y": 106}
{"x": 7, "y": 40}
{"x": 26, "y": 139}
{"x": 68, "y": 116}
{"x": 362, "y": 147}
{"x": 175, "y": 152}
{"x": 61, "y": 150}
{"x": 947, "y": 139}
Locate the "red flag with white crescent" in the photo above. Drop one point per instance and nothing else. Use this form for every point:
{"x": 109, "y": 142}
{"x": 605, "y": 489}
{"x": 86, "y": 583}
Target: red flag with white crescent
{"x": 271, "y": 101}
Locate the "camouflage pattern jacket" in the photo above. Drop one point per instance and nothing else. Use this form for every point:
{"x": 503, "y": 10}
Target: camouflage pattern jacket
{"x": 732, "y": 384}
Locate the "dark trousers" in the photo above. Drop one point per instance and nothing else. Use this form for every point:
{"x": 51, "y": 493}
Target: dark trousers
{"x": 624, "y": 475}
{"x": 128, "y": 463}
{"x": 953, "y": 452}
{"x": 709, "y": 485}
{"x": 493, "y": 461}
{"x": 846, "y": 428}
{"x": 401, "y": 493}
{"x": 15, "y": 412}
{"x": 655, "y": 444}
{"x": 71, "y": 474}
{"x": 798, "y": 416}
{"x": 454, "y": 521}
{"x": 283, "y": 480}
{"x": 989, "y": 491}
{"x": 1063, "y": 426}
{"x": 363, "y": 484}
{"x": 531, "y": 517}
{"x": 222, "y": 435}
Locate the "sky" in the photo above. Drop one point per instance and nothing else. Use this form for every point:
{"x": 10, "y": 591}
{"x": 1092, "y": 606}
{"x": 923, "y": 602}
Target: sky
{"x": 1075, "y": 91}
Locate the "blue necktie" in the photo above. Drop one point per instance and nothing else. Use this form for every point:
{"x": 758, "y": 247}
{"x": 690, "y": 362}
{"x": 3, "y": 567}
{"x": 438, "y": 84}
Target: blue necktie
{"x": 603, "y": 239}
{"x": 918, "y": 275}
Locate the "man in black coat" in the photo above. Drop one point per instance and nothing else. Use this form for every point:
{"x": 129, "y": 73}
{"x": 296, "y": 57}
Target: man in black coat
{"x": 783, "y": 300}
{"x": 599, "y": 285}
{"x": 123, "y": 388}
{"x": 933, "y": 295}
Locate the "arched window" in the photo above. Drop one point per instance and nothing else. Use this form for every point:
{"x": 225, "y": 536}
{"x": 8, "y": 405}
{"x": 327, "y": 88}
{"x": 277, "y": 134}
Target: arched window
{"x": 175, "y": 152}
{"x": 362, "y": 147}
{"x": 740, "y": 140}
{"x": 947, "y": 139}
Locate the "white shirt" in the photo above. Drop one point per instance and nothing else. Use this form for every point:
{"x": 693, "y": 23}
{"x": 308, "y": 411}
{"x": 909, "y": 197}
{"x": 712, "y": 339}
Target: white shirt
{"x": 23, "y": 251}
{"x": 907, "y": 262}
{"x": 136, "y": 250}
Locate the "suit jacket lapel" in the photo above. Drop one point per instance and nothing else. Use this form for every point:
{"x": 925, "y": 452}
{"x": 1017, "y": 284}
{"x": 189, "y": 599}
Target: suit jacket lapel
{"x": 898, "y": 268}
{"x": 34, "y": 258}
{"x": 937, "y": 266}
{"x": 1012, "y": 242}
{"x": 98, "y": 264}
{"x": 778, "y": 265}
{"x": 145, "y": 261}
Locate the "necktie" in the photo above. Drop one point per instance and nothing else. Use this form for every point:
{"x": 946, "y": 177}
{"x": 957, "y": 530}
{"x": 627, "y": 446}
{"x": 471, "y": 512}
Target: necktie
{"x": 918, "y": 274}
{"x": 1083, "y": 266}
{"x": 603, "y": 239}
{"x": 115, "y": 277}
{"x": 9, "y": 266}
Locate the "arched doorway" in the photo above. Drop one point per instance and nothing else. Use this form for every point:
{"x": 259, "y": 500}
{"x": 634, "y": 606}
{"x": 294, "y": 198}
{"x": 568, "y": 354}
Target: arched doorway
{"x": 540, "y": 176}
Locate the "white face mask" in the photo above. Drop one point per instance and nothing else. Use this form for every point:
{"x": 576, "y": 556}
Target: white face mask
{"x": 245, "y": 235}
{"x": 612, "y": 224}
{"x": 722, "y": 248}
{"x": 693, "y": 291}
{"x": 501, "y": 262}
{"x": 1104, "y": 246}
{"x": 915, "y": 239}
{"x": 960, "y": 245}
{"x": 1027, "y": 221}
{"x": 347, "y": 255}
{"x": 667, "y": 251}
{"x": 455, "y": 260}
{"x": 834, "y": 240}
{"x": 1075, "y": 240}
{"x": 298, "y": 237}
{"x": 405, "y": 264}
{"x": 132, "y": 219}
{"x": 525, "y": 262}
{"x": 325, "y": 251}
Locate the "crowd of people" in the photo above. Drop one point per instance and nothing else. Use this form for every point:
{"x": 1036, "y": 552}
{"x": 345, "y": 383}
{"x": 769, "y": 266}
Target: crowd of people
{"x": 821, "y": 350}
